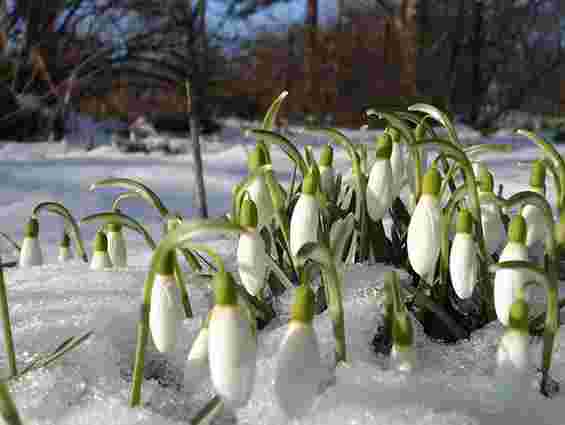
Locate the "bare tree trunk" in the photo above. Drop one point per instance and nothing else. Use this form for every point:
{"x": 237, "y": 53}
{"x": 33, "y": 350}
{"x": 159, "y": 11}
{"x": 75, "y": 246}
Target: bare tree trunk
{"x": 454, "y": 53}
{"x": 310, "y": 60}
{"x": 195, "y": 98}
{"x": 476, "y": 47}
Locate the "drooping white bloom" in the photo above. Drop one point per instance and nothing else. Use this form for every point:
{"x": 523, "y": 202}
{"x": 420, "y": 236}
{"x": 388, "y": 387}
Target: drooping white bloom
{"x": 305, "y": 216}
{"x": 165, "y": 316}
{"x": 251, "y": 255}
{"x": 100, "y": 258}
{"x": 30, "y": 253}
{"x": 299, "y": 370}
{"x": 117, "y": 246}
{"x": 423, "y": 240}
{"x": 534, "y": 217}
{"x": 232, "y": 351}
{"x": 196, "y": 366}
{"x": 232, "y": 346}
{"x": 251, "y": 261}
{"x": 259, "y": 193}
{"x": 463, "y": 265}
{"x": 380, "y": 186}
{"x": 508, "y": 283}
{"x": 492, "y": 225}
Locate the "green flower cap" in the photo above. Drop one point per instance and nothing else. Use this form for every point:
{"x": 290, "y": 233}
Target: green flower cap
{"x": 518, "y": 319}
{"x": 248, "y": 215}
{"x": 100, "y": 242}
{"x": 537, "y": 175}
{"x": 326, "y": 156}
{"x": 225, "y": 292}
{"x": 302, "y": 309}
{"x": 464, "y": 222}
{"x": 486, "y": 180}
{"x": 310, "y": 183}
{"x": 402, "y": 331}
{"x": 262, "y": 146}
{"x": 114, "y": 227}
{"x": 66, "y": 241}
{"x": 171, "y": 224}
{"x": 256, "y": 159}
{"x": 394, "y": 134}
{"x": 432, "y": 182}
{"x": 384, "y": 146}
{"x": 517, "y": 230}
{"x": 31, "y": 229}
{"x": 420, "y": 131}
{"x": 166, "y": 267}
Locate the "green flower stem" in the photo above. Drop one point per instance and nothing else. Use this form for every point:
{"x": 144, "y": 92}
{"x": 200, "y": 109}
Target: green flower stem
{"x": 7, "y": 327}
{"x": 8, "y": 409}
{"x": 170, "y": 225}
{"x": 475, "y": 151}
{"x": 335, "y": 305}
{"x": 552, "y": 315}
{"x": 208, "y": 412}
{"x": 550, "y": 151}
{"x": 59, "y": 209}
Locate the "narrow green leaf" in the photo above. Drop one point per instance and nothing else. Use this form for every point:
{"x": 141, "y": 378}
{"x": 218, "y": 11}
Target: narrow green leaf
{"x": 274, "y": 267}
{"x": 317, "y": 252}
{"x": 286, "y": 145}
{"x": 439, "y": 116}
{"x": 271, "y": 115}
{"x": 396, "y": 123}
{"x": 340, "y": 233}
{"x": 133, "y": 185}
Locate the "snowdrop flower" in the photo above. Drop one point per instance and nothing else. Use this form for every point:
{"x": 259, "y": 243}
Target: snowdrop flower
{"x": 258, "y": 190}
{"x": 380, "y": 186}
{"x": 423, "y": 241}
{"x": 513, "y": 357}
{"x": 196, "y": 366}
{"x": 299, "y": 369}
{"x": 327, "y": 175}
{"x": 30, "y": 254}
{"x": 491, "y": 218}
{"x": 463, "y": 265}
{"x": 100, "y": 258}
{"x": 232, "y": 347}
{"x": 65, "y": 249}
{"x": 251, "y": 255}
{"x": 165, "y": 314}
{"x": 535, "y": 219}
{"x": 305, "y": 216}
{"x": 508, "y": 283}
{"x": 403, "y": 357}
{"x": 117, "y": 245}
{"x": 396, "y": 163}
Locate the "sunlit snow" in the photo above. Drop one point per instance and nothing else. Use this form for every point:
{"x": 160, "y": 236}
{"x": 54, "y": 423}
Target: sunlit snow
{"x": 454, "y": 385}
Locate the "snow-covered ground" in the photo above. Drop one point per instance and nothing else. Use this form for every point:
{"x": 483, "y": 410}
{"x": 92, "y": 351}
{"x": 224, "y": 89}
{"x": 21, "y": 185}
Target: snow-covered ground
{"x": 455, "y": 384}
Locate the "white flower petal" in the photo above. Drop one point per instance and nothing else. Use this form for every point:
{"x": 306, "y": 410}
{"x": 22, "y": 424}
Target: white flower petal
{"x": 463, "y": 266}
{"x": 259, "y": 193}
{"x": 232, "y": 351}
{"x": 423, "y": 240}
{"x": 535, "y": 224}
{"x": 164, "y": 315}
{"x": 304, "y": 222}
{"x": 64, "y": 254}
{"x": 30, "y": 254}
{"x": 507, "y": 282}
{"x": 379, "y": 189}
{"x": 117, "y": 249}
{"x": 403, "y": 359}
{"x": 493, "y": 228}
{"x": 397, "y": 169}
{"x": 513, "y": 351}
{"x": 100, "y": 260}
{"x": 196, "y": 367}
{"x": 251, "y": 262}
{"x": 299, "y": 370}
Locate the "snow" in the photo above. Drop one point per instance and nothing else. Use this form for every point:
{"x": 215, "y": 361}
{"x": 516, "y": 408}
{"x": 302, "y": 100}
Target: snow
{"x": 454, "y": 385}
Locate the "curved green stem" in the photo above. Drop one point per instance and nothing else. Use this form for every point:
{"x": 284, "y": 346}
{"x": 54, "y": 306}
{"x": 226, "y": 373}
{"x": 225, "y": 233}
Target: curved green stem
{"x": 114, "y": 217}
{"x": 7, "y": 326}
{"x": 59, "y": 209}
{"x": 556, "y": 182}
{"x": 552, "y": 153}
{"x": 335, "y": 301}
{"x": 8, "y": 409}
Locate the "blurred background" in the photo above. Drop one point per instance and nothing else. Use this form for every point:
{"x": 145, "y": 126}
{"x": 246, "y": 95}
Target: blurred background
{"x": 101, "y": 65}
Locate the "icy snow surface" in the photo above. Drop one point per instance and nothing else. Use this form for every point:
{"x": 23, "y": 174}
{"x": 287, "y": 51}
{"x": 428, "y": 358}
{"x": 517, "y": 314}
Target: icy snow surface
{"x": 454, "y": 384}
